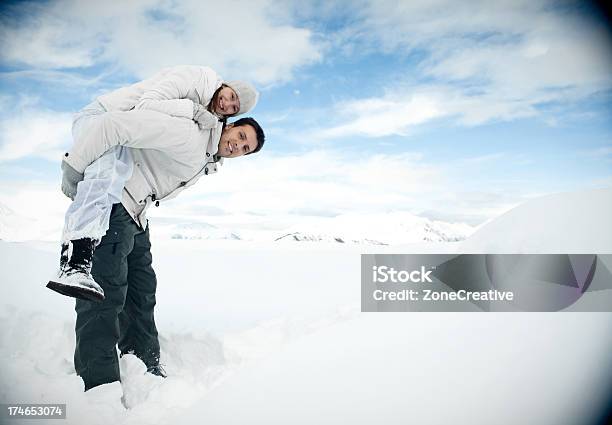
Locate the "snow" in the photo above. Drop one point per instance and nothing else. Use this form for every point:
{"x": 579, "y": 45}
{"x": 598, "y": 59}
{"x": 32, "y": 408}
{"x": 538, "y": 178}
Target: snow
{"x": 11, "y": 223}
{"x": 263, "y": 332}
{"x": 443, "y": 368}
{"x": 564, "y": 223}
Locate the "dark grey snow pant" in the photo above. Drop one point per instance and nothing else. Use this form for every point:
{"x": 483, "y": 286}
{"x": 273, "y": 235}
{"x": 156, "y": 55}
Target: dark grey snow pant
{"x": 122, "y": 267}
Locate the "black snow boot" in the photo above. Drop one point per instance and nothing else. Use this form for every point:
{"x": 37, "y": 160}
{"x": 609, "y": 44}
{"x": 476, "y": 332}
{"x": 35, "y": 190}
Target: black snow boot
{"x": 64, "y": 256}
{"x": 74, "y": 277}
{"x": 157, "y": 370}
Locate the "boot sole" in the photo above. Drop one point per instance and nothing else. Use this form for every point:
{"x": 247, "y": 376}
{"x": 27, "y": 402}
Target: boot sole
{"x": 75, "y": 291}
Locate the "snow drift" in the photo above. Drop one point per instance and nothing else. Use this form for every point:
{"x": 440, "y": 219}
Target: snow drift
{"x": 562, "y": 223}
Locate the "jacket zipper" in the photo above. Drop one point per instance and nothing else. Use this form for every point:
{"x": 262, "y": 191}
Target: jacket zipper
{"x": 186, "y": 182}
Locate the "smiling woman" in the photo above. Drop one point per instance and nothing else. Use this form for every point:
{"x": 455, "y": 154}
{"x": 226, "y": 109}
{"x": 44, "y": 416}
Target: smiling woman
{"x": 226, "y": 100}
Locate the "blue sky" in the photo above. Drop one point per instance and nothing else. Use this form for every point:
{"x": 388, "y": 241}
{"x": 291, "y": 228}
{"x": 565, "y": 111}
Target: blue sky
{"x": 454, "y": 110}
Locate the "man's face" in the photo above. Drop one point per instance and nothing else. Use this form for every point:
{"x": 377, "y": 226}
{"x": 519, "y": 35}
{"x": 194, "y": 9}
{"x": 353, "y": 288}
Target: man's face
{"x": 227, "y": 102}
{"x": 237, "y": 141}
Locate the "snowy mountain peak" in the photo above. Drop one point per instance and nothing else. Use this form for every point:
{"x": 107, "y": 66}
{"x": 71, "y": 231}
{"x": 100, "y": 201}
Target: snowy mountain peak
{"x": 197, "y": 231}
{"x": 306, "y": 237}
{"x": 14, "y": 227}
{"x": 5, "y": 211}
{"x": 376, "y": 229}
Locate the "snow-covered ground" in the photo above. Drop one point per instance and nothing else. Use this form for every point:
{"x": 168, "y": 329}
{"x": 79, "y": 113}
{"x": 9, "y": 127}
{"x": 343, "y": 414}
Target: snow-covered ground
{"x": 280, "y": 339}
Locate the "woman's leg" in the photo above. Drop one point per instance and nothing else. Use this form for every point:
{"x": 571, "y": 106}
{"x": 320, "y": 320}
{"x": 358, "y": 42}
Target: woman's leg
{"x": 87, "y": 221}
{"x": 105, "y": 178}
{"x": 87, "y": 218}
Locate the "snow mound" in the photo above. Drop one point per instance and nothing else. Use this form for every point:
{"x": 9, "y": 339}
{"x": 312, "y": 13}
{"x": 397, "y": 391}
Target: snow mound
{"x": 36, "y": 350}
{"x": 563, "y": 223}
{"x": 424, "y": 369}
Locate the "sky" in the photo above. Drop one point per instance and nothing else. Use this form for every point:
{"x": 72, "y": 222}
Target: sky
{"x": 456, "y": 111}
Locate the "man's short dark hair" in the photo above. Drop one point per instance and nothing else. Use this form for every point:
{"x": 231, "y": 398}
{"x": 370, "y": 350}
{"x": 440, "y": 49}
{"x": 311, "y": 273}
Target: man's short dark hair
{"x": 261, "y": 137}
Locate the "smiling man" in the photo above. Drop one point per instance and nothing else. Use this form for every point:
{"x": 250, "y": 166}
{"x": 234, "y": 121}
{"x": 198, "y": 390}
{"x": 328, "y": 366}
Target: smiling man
{"x": 240, "y": 138}
{"x": 122, "y": 262}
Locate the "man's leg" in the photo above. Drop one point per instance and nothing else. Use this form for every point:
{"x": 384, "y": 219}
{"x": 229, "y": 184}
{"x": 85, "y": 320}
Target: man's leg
{"x": 137, "y": 322}
{"x": 97, "y": 324}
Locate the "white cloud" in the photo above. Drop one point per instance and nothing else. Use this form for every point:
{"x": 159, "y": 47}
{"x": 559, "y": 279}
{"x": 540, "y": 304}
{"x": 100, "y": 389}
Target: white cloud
{"x": 603, "y": 153}
{"x": 399, "y": 111}
{"x": 329, "y": 183}
{"x": 391, "y": 114}
{"x": 43, "y": 39}
{"x": 287, "y": 188}
{"x": 65, "y": 79}
{"x": 276, "y": 191}
{"x": 282, "y": 190}
{"x": 483, "y": 61}
{"x": 145, "y": 35}
{"x": 30, "y": 132}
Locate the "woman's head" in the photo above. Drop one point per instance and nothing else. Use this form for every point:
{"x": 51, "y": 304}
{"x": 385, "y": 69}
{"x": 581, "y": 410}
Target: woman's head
{"x": 233, "y": 98}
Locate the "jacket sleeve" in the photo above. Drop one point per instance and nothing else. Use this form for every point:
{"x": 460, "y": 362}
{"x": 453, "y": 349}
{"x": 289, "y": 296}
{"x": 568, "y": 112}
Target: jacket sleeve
{"x": 169, "y": 94}
{"x": 136, "y": 129}
{"x": 207, "y": 120}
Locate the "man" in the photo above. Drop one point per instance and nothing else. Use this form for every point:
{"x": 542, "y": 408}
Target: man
{"x": 144, "y": 114}
{"x": 122, "y": 263}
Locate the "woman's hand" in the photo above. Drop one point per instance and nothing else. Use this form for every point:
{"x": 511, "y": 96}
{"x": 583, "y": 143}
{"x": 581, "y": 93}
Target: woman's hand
{"x": 204, "y": 118}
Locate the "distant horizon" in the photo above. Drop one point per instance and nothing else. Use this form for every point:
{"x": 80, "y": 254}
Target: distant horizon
{"x": 576, "y": 213}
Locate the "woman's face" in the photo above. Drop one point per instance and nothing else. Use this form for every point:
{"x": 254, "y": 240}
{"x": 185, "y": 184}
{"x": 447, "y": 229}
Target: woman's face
{"x": 227, "y": 102}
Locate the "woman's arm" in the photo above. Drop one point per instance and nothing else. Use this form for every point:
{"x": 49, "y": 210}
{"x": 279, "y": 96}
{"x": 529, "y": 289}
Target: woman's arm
{"x": 169, "y": 95}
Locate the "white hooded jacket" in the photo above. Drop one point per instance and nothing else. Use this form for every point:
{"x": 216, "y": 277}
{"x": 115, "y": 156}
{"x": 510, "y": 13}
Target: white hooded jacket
{"x": 172, "y": 91}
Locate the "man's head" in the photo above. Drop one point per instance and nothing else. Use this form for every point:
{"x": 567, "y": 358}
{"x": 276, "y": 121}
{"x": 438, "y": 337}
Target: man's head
{"x": 242, "y": 137}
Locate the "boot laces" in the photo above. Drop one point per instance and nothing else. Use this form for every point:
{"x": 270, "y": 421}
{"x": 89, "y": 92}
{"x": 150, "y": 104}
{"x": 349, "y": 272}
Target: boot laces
{"x": 81, "y": 257}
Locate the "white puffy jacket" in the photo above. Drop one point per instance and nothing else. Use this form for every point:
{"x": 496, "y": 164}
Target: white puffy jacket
{"x": 171, "y": 91}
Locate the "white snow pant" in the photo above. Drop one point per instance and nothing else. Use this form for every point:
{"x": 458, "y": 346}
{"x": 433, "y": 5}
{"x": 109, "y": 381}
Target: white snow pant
{"x": 89, "y": 214}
